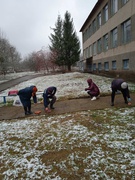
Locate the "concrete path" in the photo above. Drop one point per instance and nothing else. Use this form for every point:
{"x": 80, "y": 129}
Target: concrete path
{"x": 67, "y": 106}
{"x": 13, "y": 82}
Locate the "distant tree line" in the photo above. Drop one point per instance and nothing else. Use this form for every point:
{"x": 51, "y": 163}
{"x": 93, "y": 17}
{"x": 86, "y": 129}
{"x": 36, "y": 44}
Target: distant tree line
{"x": 9, "y": 56}
{"x": 62, "y": 54}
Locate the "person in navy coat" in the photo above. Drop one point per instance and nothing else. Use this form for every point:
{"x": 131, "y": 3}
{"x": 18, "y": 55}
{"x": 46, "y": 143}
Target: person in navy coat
{"x": 49, "y": 97}
{"x": 25, "y": 97}
{"x": 92, "y": 90}
{"x": 120, "y": 85}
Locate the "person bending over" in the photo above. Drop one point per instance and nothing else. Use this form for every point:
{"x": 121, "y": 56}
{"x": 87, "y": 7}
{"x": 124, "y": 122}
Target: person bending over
{"x": 120, "y": 85}
{"x": 25, "y": 98}
{"x": 49, "y": 97}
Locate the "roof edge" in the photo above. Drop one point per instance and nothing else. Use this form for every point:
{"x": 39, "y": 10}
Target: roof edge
{"x": 91, "y": 13}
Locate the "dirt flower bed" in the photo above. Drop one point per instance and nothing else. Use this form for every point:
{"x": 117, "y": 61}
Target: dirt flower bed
{"x": 83, "y": 145}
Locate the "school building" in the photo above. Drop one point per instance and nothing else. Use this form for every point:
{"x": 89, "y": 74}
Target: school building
{"x": 108, "y": 37}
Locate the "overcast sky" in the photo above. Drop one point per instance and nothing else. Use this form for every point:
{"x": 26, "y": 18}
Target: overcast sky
{"x": 26, "y": 23}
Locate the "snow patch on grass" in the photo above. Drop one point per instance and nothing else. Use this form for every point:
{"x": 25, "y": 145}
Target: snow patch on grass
{"x": 70, "y": 145}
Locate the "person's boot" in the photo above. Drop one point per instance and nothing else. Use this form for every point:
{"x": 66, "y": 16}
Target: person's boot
{"x": 29, "y": 112}
{"x": 26, "y": 113}
{"x": 51, "y": 107}
{"x": 112, "y": 104}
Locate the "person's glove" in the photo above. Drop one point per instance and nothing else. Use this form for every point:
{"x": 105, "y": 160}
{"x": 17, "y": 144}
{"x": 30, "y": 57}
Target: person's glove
{"x": 47, "y": 110}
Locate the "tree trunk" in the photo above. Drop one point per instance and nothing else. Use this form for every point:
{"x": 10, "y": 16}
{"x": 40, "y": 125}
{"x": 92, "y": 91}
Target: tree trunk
{"x": 69, "y": 68}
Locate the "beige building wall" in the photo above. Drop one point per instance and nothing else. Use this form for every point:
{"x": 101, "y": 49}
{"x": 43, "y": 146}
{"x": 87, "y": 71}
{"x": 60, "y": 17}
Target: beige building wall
{"x": 122, "y": 51}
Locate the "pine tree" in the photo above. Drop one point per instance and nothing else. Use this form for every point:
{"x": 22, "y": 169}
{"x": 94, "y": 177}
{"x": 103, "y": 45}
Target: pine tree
{"x": 65, "y": 45}
{"x": 71, "y": 43}
{"x": 56, "y": 42}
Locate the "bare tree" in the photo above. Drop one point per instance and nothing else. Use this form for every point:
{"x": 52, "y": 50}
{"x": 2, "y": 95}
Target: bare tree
{"x": 9, "y": 57}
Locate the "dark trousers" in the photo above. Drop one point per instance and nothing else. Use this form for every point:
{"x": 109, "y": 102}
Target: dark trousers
{"x": 93, "y": 93}
{"x": 51, "y": 101}
{"x": 123, "y": 93}
{"x": 27, "y": 108}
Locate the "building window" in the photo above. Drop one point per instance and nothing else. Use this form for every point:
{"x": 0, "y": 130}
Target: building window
{"x": 99, "y": 20}
{"x": 84, "y": 52}
{"x": 99, "y": 46}
{"x": 87, "y": 34}
{"x": 88, "y": 31}
{"x": 105, "y": 39}
{"x": 114, "y": 6}
{"x": 114, "y": 38}
{"x": 94, "y": 25}
{"x": 125, "y": 64}
{"x": 99, "y": 66}
{"x": 94, "y": 49}
{"x": 90, "y": 50}
{"x": 83, "y": 37}
{"x": 87, "y": 53}
{"x": 114, "y": 65}
{"x": 94, "y": 66}
{"x": 106, "y": 66}
{"x": 126, "y": 31}
{"x": 124, "y": 1}
{"x": 105, "y": 13}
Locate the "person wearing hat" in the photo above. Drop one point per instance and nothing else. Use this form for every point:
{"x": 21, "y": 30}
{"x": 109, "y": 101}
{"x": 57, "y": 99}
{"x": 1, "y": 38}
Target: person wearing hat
{"x": 120, "y": 85}
{"x": 25, "y": 98}
{"x": 49, "y": 98}
{"x": 92, "y": 90}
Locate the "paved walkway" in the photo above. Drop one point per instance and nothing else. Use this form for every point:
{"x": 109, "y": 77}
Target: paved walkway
{"x": 67, "y": 106}
{"x": 13, "y": 82}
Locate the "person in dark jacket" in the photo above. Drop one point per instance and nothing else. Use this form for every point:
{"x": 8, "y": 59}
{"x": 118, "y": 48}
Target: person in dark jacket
{"x": 92, "y": 90}
{"x": 49, "y": 97}
{"x": 25, "y": 97}
{"x": 120, "y": 85}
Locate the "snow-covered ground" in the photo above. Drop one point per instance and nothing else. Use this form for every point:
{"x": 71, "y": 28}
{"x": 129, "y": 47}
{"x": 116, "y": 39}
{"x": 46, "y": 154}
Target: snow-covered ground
{"x": 11, "y": 76}
{"x": 69, "y": 85}
{"x": 82, "y": 145}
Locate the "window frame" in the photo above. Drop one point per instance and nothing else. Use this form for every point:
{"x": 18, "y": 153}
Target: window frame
{"x": 99, "y": 46}
{"x": 94, "y": 67}
{"x": 114, "y": 38}
{"x": 99, "y": 20}
{"x": 94, "y": 48}
{"x": 106, "y": 13}
{"x": 99, "y": 66}
{"x": 125, "y": 64}
{"x": 114, "y": 6}
{"x": 114, "y": 65}
{"x": 126, "y": 31}
{"x": 106, "y": 41}
{"x": 123, "y": 2}
{"x": 106, "y": 66}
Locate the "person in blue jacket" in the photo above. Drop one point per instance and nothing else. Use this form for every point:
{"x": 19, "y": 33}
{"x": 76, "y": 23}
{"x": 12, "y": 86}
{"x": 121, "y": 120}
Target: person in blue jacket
{"x": 120, "y": 85}
{"x": 25, "y": 97}
{"x": 49, "y": 97}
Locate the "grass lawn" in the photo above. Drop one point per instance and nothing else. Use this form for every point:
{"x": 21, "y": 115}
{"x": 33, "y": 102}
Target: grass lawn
{"x": 80, "y": 146}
